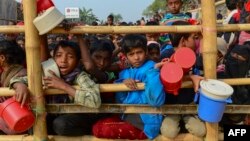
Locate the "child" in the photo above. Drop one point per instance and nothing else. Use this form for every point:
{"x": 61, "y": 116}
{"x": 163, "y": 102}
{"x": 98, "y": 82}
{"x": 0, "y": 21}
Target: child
{"x": 11, "y": 59}
{"x": 98, "y": 58}
{"x": 110, "y": 20}
{"x": 170, "y": 125}
{"x": 155, "y": 36}
{"x": 174, "y": 7}
{"x": 135, "y": 126}
{"x": 67, "y": 56}
{"x": 234, "y": 8}
{"x": 20, "y": 41}
{"x": 154, "y": 51}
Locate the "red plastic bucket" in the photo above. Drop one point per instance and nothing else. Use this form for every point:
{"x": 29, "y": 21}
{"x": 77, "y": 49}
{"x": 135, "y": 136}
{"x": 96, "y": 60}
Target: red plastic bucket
{"x": 171, "y": 75}
{"x": 17, "y": 118}
{"x": 185, "y": 57}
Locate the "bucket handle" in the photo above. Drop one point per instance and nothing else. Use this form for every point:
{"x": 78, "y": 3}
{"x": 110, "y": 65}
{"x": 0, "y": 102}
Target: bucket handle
{"x": 197, "y": 97}
{"x": 229, "y": 100}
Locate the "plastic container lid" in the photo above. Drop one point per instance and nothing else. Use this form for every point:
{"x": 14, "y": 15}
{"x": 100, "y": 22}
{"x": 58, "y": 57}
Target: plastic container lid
{"x": 216, "y": 89}
{"x": 185, "y": 57}
{"x": 50, "y": 64}
{"x": 171, "y": 73}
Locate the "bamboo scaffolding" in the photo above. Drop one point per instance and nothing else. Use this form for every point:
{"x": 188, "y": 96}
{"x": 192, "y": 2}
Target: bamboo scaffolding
{"x": 123, "y": 108}
{"x": 209, "y": 54}
{"x": 132, "y": 29}
{"x": 121, "y": 87}
{"x": 33, "y": 61}
{"x": 32, "y": 48}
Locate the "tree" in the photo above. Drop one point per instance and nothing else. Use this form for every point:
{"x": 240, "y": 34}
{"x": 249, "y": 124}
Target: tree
{"x": 87, "y": 16}
{"x": 156, "y": 6}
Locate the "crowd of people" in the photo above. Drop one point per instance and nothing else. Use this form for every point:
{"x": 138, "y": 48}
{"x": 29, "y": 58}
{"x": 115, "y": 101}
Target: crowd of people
{"x": 91, "y": 59}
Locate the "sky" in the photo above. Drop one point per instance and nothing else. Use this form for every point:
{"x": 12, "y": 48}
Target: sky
{"x": 131, "y": 10}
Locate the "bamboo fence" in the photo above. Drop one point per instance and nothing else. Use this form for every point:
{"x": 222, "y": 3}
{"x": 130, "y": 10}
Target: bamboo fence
{"x": 121, "y": 87}
{"x": 32, "y": 48}
{"x": 208, "y": 29}
{"x": 132, "y": 29}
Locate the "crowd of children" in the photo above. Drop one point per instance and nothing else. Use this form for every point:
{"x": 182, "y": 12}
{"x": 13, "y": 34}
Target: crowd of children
{"x": 93, "y": 59}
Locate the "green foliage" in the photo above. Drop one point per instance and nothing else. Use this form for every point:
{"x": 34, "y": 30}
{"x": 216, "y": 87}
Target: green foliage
{"x": 87, "y": 16}
{"x": 156, "y": 6}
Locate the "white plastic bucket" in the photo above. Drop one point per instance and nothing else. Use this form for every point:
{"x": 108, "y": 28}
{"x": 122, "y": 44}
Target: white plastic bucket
{"x": 48, "y": 20}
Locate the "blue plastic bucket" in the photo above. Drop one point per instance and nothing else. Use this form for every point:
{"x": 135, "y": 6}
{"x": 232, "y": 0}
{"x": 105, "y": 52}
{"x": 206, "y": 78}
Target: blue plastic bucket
{"x": 211, "y": 110}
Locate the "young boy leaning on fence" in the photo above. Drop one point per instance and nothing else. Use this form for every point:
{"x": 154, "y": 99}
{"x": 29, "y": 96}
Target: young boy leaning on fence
{"x": 170, "y": 125}
{"x": 135, "y": 126}
{"x": 67, "y": 56}
{"x": 11, "y": 62}
{"x": 96, "y": 59}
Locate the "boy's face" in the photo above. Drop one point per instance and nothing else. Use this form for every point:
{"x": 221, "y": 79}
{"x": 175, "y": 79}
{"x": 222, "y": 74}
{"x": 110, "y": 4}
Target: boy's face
{"x": 174, "y": 6}
{"x": 136, "y": 57}
{"x": 190, "y": 41}
{"x": 154, "y": 55}
{"x": 102, "y": 59}
{"x": 66, "y": 60}
{"x": 152, "y": 37}
{"x": 109, "y": 21}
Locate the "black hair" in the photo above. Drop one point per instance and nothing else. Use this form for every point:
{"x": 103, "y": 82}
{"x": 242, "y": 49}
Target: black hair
{"x": 52, "y": 46}
{"x": 152, "y": 23}
{"x": 101, "y": 45}
{"x": 12, "y": 52}
{"x": 153, "y": 46}
{"x": 233, "y": 4}
{"x": 20, "y": 37}
{"x": 94, "y": 23}
{"x": 176, "y": 37}
{"x": 123, "y": 24}
{"x": 111, "y": 17}
{"x": 189, "y": 14}
{"x": 131, "y": 41}
{"x": 70, "y": 44}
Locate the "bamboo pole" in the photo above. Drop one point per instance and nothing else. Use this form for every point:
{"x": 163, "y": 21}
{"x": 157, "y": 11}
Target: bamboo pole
{"x": 149, "y": 29}
{"x": 132, "y": 29}
{"x": 11, "y": 29}
{"x": 132, "y": 109}
{"x": 32, "y": 47}
{"x": 209, "y": 53}
{"x": 121, "y": 87}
